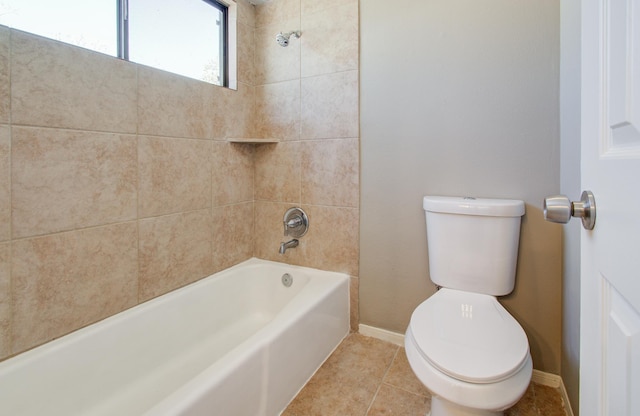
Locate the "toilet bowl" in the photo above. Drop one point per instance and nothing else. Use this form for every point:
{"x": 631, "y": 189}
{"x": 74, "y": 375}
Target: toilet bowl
{"x": 461, "y": 343}
{"x": 469, "y": 352}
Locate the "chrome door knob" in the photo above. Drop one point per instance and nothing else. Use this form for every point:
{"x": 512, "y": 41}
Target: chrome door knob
{"x": 560, "y": 209}
{"x": 557, "y": 208}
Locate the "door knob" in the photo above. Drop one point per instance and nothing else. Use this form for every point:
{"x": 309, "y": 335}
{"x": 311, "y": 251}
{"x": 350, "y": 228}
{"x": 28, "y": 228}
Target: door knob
{"x": 560, "y": 209}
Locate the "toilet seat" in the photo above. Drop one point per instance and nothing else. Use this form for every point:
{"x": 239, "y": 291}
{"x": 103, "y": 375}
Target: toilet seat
{"x": 469, "y": 336}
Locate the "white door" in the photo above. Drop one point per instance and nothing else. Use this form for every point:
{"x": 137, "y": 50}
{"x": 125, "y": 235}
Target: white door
{"x": 610, "y": 281}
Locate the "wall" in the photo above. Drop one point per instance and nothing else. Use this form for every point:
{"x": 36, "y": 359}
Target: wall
{"x": 570, "y": 186}
{"x": 307, "y": 96}
{"x": 114, "y": 190}
{"x": 459, "y": 98}
{"x": 102, "y": 160}
{"x": 117, "y": 184}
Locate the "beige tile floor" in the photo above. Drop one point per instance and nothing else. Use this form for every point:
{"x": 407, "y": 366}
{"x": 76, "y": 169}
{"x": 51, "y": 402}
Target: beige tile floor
{"x": 369, "y": 377}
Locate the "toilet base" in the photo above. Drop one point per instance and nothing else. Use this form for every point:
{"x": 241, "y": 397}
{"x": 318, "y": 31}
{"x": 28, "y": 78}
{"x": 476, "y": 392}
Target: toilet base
{"x": 441, "y": 407}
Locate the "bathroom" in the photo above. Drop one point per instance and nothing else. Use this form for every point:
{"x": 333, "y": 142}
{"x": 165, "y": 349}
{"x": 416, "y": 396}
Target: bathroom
{"x": 374, "y": 106}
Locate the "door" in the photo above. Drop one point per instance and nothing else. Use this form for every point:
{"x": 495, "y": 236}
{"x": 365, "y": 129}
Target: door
{"x": 610, "y": 277}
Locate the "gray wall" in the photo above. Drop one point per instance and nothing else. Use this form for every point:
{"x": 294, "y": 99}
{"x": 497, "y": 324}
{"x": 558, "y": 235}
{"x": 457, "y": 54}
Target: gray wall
{"x": 459, "y": 97}
{"x": 570, "y": 186}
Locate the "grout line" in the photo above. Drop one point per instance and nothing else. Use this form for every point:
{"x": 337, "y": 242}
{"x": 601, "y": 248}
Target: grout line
{"x": 138, "y": 182}
{"x": 406, "y": 391}
{"x": 138, "y": 247}
{"x": 382, "y": 380}
{"x": 11, "y": 327}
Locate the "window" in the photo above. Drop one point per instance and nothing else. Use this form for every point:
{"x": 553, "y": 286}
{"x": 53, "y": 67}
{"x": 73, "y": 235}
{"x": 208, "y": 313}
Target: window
{"x": 187, "y": 37}
{"x": 60, "y": 20}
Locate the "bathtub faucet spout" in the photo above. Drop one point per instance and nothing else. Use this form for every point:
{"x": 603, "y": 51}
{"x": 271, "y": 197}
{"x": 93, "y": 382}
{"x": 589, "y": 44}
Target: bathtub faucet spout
{"x": 289, "y": 244}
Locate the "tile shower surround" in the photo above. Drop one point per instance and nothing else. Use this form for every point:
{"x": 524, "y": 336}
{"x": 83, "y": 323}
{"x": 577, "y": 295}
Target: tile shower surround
{"x": 117, "y": 184}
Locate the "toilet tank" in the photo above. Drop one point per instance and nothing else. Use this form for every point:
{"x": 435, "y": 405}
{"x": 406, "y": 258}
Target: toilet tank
{"x": 473, "y": 243}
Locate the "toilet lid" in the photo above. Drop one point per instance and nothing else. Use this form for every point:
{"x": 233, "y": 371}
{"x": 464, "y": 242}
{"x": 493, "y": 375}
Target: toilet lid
{"x": 469, "y": 336}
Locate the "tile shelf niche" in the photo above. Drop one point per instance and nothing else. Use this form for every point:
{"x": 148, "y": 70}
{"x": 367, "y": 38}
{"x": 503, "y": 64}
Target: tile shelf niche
{"x": 249, "y": 140}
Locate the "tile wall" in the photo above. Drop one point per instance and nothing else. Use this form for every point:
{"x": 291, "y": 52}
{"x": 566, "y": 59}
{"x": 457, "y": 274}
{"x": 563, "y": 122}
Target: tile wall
{"x": 117, "y": 184}
{"x": 307, "y": 95}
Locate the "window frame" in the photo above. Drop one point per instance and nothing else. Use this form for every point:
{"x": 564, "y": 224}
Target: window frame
{"x": 123, "y": 35}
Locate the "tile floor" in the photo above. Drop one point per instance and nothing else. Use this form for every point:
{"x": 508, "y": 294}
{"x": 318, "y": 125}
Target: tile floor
{"x": 369, "y": 377}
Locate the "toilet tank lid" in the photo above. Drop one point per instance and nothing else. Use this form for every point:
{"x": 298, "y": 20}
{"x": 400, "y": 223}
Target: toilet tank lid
{"x": 474, "y": 206}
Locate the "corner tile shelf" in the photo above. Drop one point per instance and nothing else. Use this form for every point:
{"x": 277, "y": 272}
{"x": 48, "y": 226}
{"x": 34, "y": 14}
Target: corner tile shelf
{"x": 252, "y": 140}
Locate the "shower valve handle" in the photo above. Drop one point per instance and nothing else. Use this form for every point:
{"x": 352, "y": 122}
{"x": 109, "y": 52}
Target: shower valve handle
{"x": 293, "y": 222}
{"x": 296, "y": 222}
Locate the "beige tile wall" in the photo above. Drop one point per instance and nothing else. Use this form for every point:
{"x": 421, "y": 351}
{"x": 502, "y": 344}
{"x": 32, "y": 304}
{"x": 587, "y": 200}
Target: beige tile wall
{"x": 116, "y": 183}
{"x": 69, "y": 179}
{"x": 4, "y": 75}
{"x": 5, "y": 299}
{"x": 307, "y": 95}
{"x": 5, "y": 182}
{"x": 64, "y": 281}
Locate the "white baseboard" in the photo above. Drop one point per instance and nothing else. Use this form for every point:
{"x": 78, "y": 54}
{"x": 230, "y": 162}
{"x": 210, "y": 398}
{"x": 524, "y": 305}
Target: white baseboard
{"x": 539, "y": 377}
{"x": 383, "y": 334}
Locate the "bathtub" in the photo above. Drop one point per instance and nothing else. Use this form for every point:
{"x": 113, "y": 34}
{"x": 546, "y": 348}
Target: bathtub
{"x": 235, "y": 343}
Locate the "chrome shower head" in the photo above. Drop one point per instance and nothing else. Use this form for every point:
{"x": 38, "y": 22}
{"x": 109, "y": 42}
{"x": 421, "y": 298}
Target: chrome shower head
{"x": 283, "y": 38}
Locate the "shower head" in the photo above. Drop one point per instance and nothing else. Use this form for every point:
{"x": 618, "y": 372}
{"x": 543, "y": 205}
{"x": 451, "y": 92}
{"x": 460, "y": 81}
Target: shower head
{"x": 283, "y": 38}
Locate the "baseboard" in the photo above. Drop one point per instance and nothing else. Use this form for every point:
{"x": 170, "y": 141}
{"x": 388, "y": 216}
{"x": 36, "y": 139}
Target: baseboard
{"x": 546, "y": 379}
{"x": 383, "y": 334}
{"x": 555, "y": 381}
{"x": 539, "y": 377}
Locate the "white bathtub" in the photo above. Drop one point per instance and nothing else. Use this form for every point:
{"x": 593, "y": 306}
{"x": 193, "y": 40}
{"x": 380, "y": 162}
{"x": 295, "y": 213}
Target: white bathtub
{"x": 236, "y": 343}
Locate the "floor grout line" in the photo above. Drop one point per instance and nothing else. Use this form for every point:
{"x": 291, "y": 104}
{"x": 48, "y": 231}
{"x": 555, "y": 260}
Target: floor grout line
{"x": 382, "y": 380}
{"x": 405, "y": 390}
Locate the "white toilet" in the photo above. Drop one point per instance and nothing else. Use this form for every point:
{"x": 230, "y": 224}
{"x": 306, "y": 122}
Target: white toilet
{"x": 462, "y": 343}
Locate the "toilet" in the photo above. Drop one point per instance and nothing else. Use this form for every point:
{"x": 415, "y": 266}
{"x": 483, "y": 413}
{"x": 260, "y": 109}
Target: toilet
{"x": 462, "y": 344}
